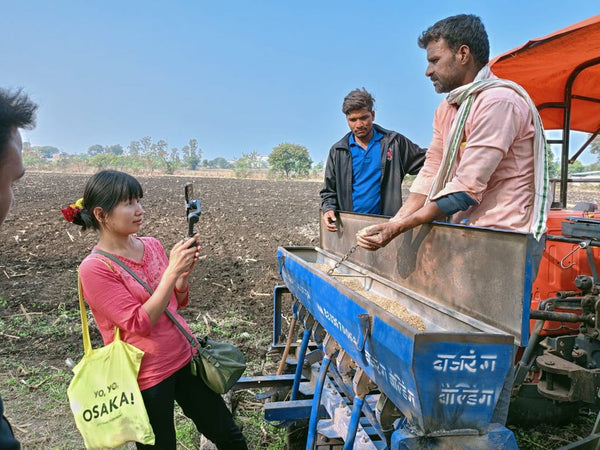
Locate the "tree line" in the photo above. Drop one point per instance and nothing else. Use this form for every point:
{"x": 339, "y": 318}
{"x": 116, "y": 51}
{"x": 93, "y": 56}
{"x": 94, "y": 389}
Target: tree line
{"x": 286, "y": 160}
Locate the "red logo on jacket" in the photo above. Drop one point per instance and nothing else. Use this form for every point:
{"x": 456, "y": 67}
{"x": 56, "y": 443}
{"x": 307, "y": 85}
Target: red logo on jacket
{"x": 389, "y": 155}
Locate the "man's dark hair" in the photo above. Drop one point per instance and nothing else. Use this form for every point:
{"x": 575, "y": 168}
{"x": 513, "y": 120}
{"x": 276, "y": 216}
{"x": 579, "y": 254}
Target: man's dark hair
{"x": 358, "y": 99}
{"x": 16, "y": 110}
{"x": 464, "y": 29}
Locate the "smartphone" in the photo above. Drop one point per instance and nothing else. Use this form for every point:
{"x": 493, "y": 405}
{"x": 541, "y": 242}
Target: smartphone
{"x": 189, "y": 192}
{"x": 192, "y": 208}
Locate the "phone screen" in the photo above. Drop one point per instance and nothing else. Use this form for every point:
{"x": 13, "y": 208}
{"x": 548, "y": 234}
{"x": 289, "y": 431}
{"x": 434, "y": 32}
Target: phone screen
{"x": 189, "y": 192}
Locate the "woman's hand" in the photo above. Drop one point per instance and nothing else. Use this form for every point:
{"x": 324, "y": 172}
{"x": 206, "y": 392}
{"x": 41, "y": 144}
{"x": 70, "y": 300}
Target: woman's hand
{"x": 182, "y": 283}
{"x": 183, "y": 256}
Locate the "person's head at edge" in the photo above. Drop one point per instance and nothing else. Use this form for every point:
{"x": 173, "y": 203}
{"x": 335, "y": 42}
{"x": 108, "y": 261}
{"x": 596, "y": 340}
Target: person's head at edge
{"x": 16, "y": 111}
{"x": 457, "y": 48}
{"x": 358, "y": 108}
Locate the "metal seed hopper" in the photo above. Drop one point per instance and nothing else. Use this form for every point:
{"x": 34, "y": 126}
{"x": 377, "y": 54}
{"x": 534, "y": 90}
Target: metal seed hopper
{"x": 427, "y": 377}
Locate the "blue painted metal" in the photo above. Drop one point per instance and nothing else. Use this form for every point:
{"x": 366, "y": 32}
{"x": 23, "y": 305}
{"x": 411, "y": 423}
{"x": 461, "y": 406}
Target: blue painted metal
{"x": 291, "y": 410}
{"x": 264, "y": 381}
{"x": 314, "y": 415}
{"x": 299, "y": 364}
{"x": 446, "y": 379}
{"x": 367, "y": 409}
{"x": 338, "y": 423}
{"x": 443, "y": 382}
{"x": 354, "y": 421}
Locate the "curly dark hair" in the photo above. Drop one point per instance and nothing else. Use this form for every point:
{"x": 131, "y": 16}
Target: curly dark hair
{"x": 357, "y": 99}
{"x": 463, "y": 29}
{"x": 16, "y": 111}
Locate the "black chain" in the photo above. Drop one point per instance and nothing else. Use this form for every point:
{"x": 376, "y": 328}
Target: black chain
{"x": 344, "y": 258}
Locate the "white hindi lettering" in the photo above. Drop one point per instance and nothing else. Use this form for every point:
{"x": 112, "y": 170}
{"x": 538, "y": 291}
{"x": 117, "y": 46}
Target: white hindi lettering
{"x": 465, "y": 395}
{"x": 471, "y": 363}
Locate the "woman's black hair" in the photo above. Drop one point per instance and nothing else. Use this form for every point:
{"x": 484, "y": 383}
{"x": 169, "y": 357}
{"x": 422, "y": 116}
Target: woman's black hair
{"x": 106, "y": 189}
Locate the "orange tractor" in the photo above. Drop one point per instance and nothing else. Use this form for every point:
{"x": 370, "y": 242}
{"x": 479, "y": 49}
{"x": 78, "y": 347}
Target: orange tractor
{"x": 559, "y": 370}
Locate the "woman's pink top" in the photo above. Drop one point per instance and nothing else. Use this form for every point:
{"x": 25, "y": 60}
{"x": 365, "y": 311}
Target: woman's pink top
{"x": 116, "y": 298}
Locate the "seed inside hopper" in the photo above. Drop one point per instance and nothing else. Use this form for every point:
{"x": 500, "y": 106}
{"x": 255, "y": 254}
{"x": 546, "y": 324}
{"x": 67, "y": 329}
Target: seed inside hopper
{"x": 391, "y": 306}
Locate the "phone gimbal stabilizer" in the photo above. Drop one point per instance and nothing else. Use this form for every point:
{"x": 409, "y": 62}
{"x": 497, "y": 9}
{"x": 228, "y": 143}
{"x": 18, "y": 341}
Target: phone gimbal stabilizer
{"x": 193, "y": 208}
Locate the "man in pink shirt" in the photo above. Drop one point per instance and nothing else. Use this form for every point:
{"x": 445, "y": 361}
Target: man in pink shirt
{"x": 486, "y": 164}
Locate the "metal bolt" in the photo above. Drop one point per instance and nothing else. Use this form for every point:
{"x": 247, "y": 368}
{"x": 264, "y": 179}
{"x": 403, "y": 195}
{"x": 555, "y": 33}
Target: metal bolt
{"x": 550, "y": 363}
{"x": 364, "y": 439}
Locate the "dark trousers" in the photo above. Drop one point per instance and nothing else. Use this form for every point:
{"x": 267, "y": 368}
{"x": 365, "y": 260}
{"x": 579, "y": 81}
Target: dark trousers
{"x": 205, "y": 407}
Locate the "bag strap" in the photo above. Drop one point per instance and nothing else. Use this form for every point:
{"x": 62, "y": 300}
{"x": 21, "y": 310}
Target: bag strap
{"x": 85, "y": 331}
{"x": 125, "y": 267}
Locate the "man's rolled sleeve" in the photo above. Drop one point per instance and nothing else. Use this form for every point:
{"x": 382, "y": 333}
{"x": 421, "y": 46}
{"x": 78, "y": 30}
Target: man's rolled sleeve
{"x": 452, "y": 203}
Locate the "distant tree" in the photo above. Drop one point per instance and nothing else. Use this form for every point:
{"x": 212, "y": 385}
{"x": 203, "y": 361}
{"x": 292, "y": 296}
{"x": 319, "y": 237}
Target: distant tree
{"x": 146, "y": 153}
{"x": 195, "y": 149}
{"x": 553, "y": 166}
{"x": 175, "y": 155}
{"x": 576, "y": 167}
{"x": 241, "y": 167}
{"x": 95, "y": 149}
{"x": 595, "y": 148}
{"x": 159, "y": 151}
{"x": 135, "y": 148}
{"x": 33, "y": 159}
{"x": 185, "y": 153}
{"x": 255, "y": 160}
{"x": 146, "y": 143}
{"x": 219, "y": 163}
{"x": 45, "y": 151}
{"x": 192, "y": 155}
{"x": 116, "y": 149}
{"x": 172, "y": 161}
{"x": 290, "y": 160}
{"x": 317, "y": 170}
{"x": 105, "y": 161}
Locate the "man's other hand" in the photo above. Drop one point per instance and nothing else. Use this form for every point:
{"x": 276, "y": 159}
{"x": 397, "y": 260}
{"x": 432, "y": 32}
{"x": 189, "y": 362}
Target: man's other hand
{"x": 330, "y": 220}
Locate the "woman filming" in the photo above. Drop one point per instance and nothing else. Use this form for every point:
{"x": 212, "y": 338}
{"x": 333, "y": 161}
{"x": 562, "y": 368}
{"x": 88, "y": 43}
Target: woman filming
{"x": 111, "y": 205}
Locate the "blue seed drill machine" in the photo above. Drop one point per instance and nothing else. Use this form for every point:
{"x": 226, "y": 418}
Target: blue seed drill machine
{"x": 406, "y": 347}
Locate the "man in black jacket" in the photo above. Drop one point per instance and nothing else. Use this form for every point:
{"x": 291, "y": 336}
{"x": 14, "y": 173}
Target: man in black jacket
{"x": 16, "y": 111}
{"x": 366, "y": 167}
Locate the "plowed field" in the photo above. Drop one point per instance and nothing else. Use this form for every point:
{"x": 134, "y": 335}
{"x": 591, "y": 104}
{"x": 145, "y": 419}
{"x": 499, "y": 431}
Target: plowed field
{"x": 242, "y": 223}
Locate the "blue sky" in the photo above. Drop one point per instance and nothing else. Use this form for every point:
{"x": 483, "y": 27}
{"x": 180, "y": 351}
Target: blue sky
{"x": 239, "y": 76}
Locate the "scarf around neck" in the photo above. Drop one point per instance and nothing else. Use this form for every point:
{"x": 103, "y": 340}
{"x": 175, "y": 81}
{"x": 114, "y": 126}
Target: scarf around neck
{"x": 463, "y": 96}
